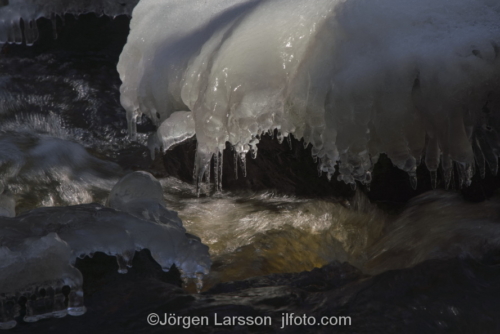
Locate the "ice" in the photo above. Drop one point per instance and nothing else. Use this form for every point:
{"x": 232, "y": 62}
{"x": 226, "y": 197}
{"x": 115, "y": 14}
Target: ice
{"x": 91, "y": 228}
{"x": 13, "y": 12}
{"x": 176, "y": 129}
{"x": 38, "y": 247}
{"x": 38, "y": 269}
{"x": 354, "y": 79}
{"x": 141, "y": 195}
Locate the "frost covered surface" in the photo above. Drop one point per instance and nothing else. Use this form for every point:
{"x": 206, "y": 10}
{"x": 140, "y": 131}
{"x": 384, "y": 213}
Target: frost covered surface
{"x": 13, "y": 11}
{"x": 353, "y": 78}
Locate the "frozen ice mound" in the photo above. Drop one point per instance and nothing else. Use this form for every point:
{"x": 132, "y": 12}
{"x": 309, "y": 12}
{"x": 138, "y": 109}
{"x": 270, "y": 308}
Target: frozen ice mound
{"x": 36, "y": 267}
{"x": 39, "y": 247}
{"x": 354, "y": 78}
{"x": 13, "y": 11}
{"x": 140, "y": 194}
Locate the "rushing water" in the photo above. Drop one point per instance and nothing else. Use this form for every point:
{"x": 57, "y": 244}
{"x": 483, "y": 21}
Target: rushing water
{"x": 63, "y": 142}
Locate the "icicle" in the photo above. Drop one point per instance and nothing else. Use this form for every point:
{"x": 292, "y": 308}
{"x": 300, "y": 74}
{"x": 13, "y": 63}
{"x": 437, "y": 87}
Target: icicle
{"x": 216, "y": 170}
{"x": 199, "y": 282}
{"x": 8, "y": 311}
{"x": 30, "y": 32}
{"x": 235, "y": 160}
{"x": 253, "y": 154}
{"x": 184, "y": 278}
{"x": 479, "y": 157}
{"x": 320, "y": 168}
{"x": 469, "y": 173}
{"x": 207, "y": 172}
{"x": 195, "y": 167}
{"x": 464, "y": 175}
{"x": 59, "y": 303}
{"x": 132, "y": 124}
{"x": 280, "y": 137}
{"x": 220, "y": 168}
{"x": 447, "y": 174}
{"x": 253, "y": 147}
{"x": 123, "y": 263}
{"x": 434, "y": 179}
{"x": 289, "y": 139}
{"x": 75, "y": 302}
{"x": 413, "y": 180}
{"x": 368, "y": 177}
{"x": 16, "y": 32}
{"x": 243, "y": 163}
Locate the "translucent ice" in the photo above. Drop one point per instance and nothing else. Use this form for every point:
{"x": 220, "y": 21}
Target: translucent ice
{"x": 13, "y": 11}
{"x": 353, "y": 78}
{"x": 141, "y": 195}
{"x": 38, "y": 247}
{"x": 174, "y": 130}
{"x": 38, "y": 269}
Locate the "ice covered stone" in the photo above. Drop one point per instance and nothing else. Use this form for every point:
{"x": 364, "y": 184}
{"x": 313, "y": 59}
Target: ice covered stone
{"x": 141, "y": 195}
{"x": 38, "y": 247}
{"x": 91, "y": 228}
{"x": 38, "y": 269}
{"x": 352, "y": 78}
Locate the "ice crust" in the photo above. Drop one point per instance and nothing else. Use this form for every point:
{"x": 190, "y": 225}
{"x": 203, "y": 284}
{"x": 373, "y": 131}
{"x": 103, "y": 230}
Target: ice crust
{"x": 30, "y": 265}
{"x": 141, "y": 195}
{"x": 354, "y": 78}
{"x": 13, "y": 11}
{"x": 38, "y": 248}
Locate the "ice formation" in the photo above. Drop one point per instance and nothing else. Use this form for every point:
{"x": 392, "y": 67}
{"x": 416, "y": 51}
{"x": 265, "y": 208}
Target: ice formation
{"x": 13, "y": 11}
{"x": 38, "y": 247}
{"x": 38, "y": 267}
{"x": 141, "y": 195}
{"x": 354, "y": 78}
{"x": 177, "y": 128}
